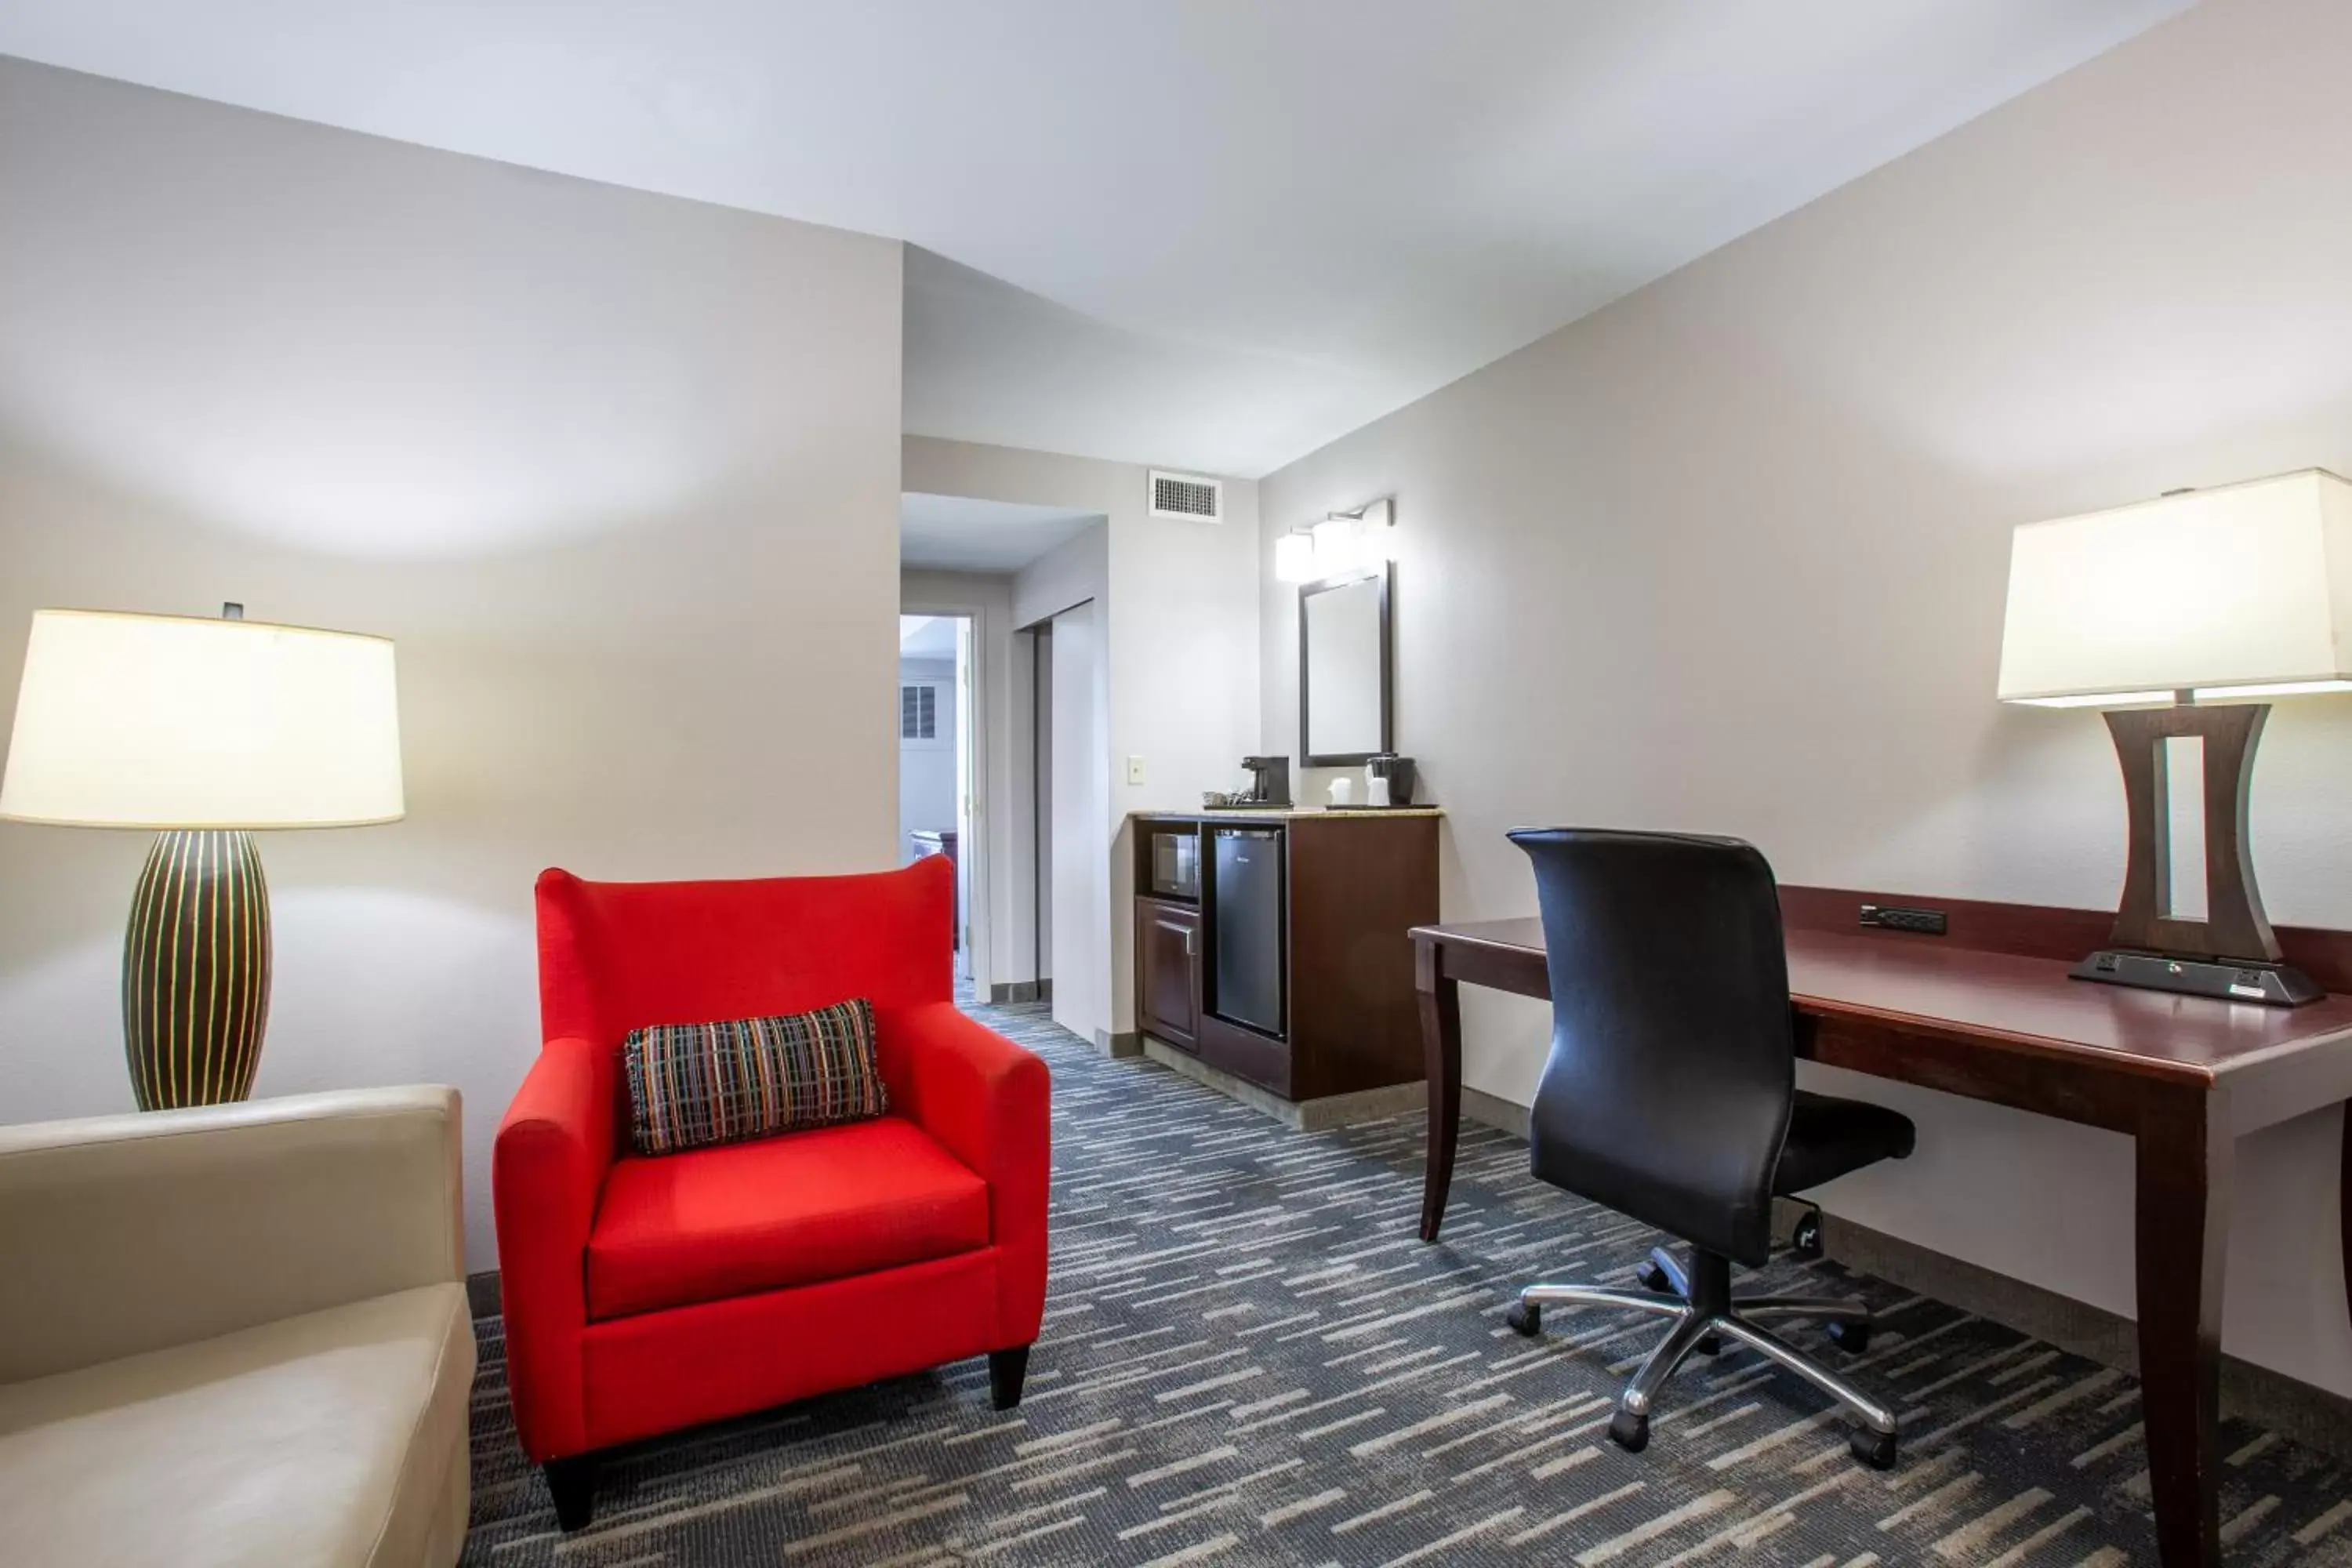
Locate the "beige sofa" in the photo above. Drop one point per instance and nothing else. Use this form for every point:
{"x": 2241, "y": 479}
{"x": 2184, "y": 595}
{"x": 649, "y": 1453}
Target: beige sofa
{"x": 236, "y": 1335}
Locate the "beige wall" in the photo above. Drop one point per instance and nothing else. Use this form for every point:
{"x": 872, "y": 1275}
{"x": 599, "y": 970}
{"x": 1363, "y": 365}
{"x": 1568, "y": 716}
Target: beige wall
{"x": 1177, "y": 621}
{"x": 620, "y": 474}
{"x": 1730, "y": 556}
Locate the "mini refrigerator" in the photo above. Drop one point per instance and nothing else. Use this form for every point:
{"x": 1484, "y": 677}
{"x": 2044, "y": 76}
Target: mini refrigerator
{"x": 1246, "y": 929}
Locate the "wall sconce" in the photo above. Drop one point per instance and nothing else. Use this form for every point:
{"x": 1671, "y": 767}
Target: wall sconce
{"x": 1342, "y": 541}
{"x": 1294, "y": 557}
{"x": 1335, "y": 545}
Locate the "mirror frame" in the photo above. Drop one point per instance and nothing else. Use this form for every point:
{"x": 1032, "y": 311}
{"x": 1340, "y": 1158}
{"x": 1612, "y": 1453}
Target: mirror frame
{"x": 1385, "y": 575}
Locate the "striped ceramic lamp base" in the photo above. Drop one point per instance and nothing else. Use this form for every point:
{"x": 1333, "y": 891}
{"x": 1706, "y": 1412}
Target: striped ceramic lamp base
{"x": 196, "y": 970}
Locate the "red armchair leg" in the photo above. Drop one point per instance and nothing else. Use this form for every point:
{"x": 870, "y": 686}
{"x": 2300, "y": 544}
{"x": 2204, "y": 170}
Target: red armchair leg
{"x": 572, "y": 1483}
{"x": 1005, "y": 1371}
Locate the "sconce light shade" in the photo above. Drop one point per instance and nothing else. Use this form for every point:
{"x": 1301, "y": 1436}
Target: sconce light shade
{"x": 1294, "y": 557}
{"x": 1335, "y": 544}
{"x": 165, "y": 721}
{"x": 1342, "y": 541}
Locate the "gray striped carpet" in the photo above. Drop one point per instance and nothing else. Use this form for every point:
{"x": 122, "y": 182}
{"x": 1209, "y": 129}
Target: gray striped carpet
{"x": 1248, "y": 1359}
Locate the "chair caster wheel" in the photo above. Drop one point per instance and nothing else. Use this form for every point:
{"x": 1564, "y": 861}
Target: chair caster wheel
{"x": 1710, "y": 1345}
{"x": 1525, "y": 1318}
{"x": 1654, "y": 1278}
{"x": 1630, "y": 1431}
{"x": 1876, "y": 1449}
{"x": 1805, "y": 1241}
{"x": 1850, "y": 1336}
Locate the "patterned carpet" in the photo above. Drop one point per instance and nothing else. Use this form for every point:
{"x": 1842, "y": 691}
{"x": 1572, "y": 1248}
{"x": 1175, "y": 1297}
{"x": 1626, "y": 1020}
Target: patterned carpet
{"x": 1248, "y": 1359}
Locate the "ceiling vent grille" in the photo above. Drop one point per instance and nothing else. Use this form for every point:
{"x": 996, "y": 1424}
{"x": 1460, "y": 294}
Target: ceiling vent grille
{"x": 1187, "y": 496}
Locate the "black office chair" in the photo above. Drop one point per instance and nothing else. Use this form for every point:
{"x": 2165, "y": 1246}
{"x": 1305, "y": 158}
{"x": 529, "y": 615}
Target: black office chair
{"x": 1670, "y": 1096}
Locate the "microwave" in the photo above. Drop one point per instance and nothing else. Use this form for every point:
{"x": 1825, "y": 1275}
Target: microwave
{"x": 1176, "y": 865}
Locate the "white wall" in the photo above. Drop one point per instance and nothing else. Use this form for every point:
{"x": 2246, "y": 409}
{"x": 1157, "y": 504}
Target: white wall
{"x": 1078, "y": 765}
{"x": 1730, "y": 556}
{"x": 1039, "y": 640}
{"x": 927, "y": 769}
{"x": 1177, "y": 607}
{"x": 618, "y": 472}
{"x": 1005, "y": 940}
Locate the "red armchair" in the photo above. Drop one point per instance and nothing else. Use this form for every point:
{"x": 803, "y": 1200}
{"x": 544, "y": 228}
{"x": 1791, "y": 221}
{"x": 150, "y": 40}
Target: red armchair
{"x": 644, "y": 1295}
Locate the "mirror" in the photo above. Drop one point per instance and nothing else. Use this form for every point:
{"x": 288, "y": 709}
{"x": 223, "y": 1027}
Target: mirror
{"x": 1343, "y": 670}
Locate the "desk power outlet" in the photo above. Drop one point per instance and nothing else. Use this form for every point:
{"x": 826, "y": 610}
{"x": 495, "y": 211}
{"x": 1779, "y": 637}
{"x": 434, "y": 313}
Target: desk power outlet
{"x": 1926, "y": 922}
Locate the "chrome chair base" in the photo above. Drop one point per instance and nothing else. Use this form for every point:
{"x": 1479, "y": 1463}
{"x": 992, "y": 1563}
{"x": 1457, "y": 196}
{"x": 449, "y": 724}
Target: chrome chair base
{"x": 1704, "y": 1313}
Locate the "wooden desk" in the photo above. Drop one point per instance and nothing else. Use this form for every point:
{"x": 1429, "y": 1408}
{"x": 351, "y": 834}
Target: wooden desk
{"x": 1989, "y": 1013}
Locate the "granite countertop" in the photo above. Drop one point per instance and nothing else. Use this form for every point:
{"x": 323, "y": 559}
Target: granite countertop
{"x": 1282, "y": 813}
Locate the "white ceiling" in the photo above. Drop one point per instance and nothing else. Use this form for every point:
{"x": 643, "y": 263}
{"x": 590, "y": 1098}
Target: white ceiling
{"x": 927, "y": 636}
{"x": 1212, "y": 234}
{"x": 953, "y": 533}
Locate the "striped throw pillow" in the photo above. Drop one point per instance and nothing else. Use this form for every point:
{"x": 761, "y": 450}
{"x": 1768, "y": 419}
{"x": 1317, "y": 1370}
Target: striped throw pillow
{"x": 695, "y": 1085}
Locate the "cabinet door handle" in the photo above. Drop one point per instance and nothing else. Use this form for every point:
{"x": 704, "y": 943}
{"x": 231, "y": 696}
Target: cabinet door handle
{"x": 1187, "y": 932}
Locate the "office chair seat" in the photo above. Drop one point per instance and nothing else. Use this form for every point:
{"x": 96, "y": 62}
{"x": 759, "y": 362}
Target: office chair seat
{"x": 1828, "y": 1137}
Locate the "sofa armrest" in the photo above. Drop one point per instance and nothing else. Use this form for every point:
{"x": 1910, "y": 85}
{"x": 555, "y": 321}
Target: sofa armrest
{"x": 989, "y": 1103}
{"x": 547, "y": 1171}
{"x": 132, "y": 1233}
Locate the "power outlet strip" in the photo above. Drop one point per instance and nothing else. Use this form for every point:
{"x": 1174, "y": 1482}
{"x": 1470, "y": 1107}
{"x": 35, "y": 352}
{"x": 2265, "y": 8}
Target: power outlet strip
{"x": 1926, "y": 922}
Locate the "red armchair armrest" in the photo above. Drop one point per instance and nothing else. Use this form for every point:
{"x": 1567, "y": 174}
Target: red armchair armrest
{"x": 989, "y": 1103}
{"x": 547, "y": 1171}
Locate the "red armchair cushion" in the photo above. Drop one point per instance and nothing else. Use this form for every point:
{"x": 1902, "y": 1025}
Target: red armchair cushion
{"x": 798, "y": 1209}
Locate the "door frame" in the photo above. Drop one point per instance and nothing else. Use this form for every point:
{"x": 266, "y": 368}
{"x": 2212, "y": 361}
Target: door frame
{"x": 971, "y": 845}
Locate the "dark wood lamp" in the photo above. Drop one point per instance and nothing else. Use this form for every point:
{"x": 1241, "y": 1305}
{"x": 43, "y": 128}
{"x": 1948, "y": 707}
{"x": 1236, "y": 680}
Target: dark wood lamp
{"x": 2179, "y": 616}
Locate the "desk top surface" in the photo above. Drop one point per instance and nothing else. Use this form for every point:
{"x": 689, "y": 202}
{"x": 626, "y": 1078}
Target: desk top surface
{"x": 1248, "y": 814}
{"x": 1895, "y": 977}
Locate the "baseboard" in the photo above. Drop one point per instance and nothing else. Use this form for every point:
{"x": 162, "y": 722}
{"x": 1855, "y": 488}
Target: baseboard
{"x": 1493, "y": 1110}
{"x": 2311, "y": 1416}
{"x": 1125, "y": 1042}
{"x": 1305, "y": 1115}
{"x": 1019, "y": 993}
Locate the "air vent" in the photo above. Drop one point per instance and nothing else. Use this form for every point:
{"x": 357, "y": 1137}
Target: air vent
{"x": 1187, "y": 496}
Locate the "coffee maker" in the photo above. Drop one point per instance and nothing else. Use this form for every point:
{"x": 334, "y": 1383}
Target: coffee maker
{"x": 1397, "y": 770}
{"x": 1269, "y": 782}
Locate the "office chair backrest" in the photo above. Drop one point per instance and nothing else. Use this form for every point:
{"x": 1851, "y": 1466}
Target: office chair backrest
{"x": 1673, "y": 1066}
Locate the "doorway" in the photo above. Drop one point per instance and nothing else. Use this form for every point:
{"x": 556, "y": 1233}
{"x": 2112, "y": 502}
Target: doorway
{"x": 937, "y": 740}
{"x": 1072, "y": 806}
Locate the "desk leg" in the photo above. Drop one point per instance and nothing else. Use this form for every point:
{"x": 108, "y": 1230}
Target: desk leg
{"x": 1440, "y": 1054}
{"x": 2184, "y": 1153}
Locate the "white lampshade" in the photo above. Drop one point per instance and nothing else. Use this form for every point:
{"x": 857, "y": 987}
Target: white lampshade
{"x": 163, "y": 721}
{"x": 2244, "y": 591}
{"x": 1294, "y": 557}
{"x": 1335, "y": 545}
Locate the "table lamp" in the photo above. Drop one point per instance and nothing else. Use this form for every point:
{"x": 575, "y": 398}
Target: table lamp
{"x": 204, "y": 730}
{"x": 2206, "y": 602}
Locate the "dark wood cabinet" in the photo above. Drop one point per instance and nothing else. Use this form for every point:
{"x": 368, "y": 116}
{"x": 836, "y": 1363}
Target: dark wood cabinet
{"x": 1352, "y": 886}
{"x": 1168, "y": 971}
